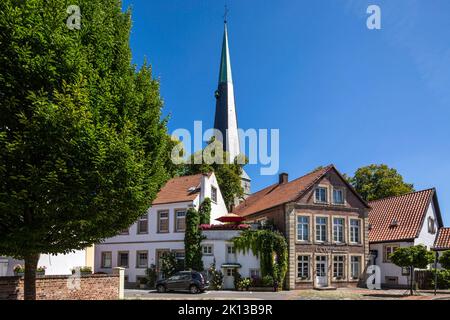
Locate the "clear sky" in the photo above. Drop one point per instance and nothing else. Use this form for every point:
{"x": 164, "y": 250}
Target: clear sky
{"x": 338, "y": 92}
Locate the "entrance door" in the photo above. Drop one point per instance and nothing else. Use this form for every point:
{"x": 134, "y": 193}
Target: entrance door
{"x": 3, "y": 268}
{"x": 228, "y": 278}
{"x": 321, "y": 271}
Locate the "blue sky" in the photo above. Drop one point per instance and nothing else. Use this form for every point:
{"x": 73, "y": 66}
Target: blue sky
{"x": 338, "y": 92}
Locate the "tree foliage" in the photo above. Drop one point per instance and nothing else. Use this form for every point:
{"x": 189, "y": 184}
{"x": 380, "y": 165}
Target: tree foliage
{"x": 412, "y": 257}
{"x": 228, "y": 174}
{"x": 270, "y": 247}
{"x": 192, "y": 241}
{"x": 170, "y": 265}
{"x": 375, "y": 182}
{"x": 205, "y": 211}
{"x": 83, "y": 150}
{"x": 444, "y": 260}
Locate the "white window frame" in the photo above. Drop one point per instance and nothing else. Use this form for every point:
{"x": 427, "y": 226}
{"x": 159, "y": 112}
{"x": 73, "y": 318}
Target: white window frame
{"x": 213, "y": 198}
{"x": 308, "y": 228}
{"x": 352, "y": 233}
{"x": 208, "y": 252}
{"x": 166, "y": 212}
{"x": 342, "y": 232}
{"x": 360, "y": 269}
{"x": 343, "y": 196}
{"x": 177, "y": 218}
{"x": 102, "y": 262}
{"x": 322, "y": 226}
{"x": 138, "y": 261}
{"x": 119, "y": 253}
{"x": 144, "y": 219}
{"x": 338, "y": 263}
{"x": 308, "y": 263}
{"x": 326, "y": 194}
{"x": 392, "y": 247}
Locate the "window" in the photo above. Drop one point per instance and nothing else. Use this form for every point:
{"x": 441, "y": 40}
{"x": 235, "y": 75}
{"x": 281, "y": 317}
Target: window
{"x": 230, "y": 272}
{"x": 213, "y": 194}
{"x": 338, "y": 229}
{"x": 179, "y": 256}
{"x": 207, "y": 249}
{"x": 303, "y": 267}
{"x": 106, "y": 260}
{"x": 388, "y": 250}
{"x": 122, "y": 259}
{"x": 255, "y": 274}
{"x": 338, "y": 267}
{"x": 231, "y": 250}
{"x": 124, "y": 232}
{"x": 338, "y": 196}
{"x": 302, "y": 228}
{"x": 355, "y": 267}
{"x": 163, "y": 221}
{"x": 142, "y": 226}
{"x": 321, "y": 229}
{"x": 431, "y": 226}
{"x": 354, "y": 231}
{"x": 141, "y": 259}
{"x": 180, "y": 220}
{"x": 321, "y": 195}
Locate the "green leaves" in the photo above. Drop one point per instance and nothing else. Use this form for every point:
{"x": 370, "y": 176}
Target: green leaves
{"x": 444, "y": 260}
{"x": 83, "y": 149}
{"x": 375, "y": 182}
{"x": 192, "y": 241}
{"x": 414, "y": 256}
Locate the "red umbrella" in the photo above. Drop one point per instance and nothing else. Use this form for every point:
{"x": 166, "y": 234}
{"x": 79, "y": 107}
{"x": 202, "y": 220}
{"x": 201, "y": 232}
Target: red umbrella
{"x": 231, "y": 217}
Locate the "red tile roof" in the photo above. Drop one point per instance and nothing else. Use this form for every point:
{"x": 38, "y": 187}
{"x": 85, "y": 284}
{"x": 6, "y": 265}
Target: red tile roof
{"x": 443, "y": 239}
{"x": 278, "y": 194}
{"x": 179, "y": 189}
{"x": 406, "y": 211}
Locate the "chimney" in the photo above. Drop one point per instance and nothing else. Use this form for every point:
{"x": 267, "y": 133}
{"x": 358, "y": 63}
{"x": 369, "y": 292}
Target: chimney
{"x": 283, "y": 178}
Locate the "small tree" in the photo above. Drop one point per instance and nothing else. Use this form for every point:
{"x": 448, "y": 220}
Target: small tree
{"x": 216, "y": 277}
{"x": 169, "y": 264}
{"x": 192, "y": 241}
{"x": 412, "y": 257}
{"x": 444, "y": 260}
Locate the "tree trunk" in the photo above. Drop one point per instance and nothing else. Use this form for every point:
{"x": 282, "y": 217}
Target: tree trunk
{"x": 31, "y": 261}
{"x": 412, "y": 280}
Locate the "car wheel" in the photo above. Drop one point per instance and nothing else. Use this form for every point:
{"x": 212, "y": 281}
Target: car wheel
{"x": 161, "y": 288}
{"x": 193, "y": 289}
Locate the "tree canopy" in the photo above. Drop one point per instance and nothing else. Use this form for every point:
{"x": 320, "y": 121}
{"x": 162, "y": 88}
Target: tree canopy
{"x": 83, "y": 149}
{"x": 375, "y": 182}
{"x": 444, "y": 260}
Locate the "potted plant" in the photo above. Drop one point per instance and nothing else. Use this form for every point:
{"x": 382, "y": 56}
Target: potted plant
{"x": 83, "y": 270}
{"x": 19, "y": 270}
{"x": 244, "y": 284}
{"x": 40, "y": 271}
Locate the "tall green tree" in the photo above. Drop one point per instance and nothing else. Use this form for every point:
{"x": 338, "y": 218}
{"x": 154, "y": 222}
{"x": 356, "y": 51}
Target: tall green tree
{"x": 375, "y": 182}
{"x": 228, "y": 172}
{"x": 412, "y": 257}
{"x": 192, "y": 241}
{"x": 83, "y": 149}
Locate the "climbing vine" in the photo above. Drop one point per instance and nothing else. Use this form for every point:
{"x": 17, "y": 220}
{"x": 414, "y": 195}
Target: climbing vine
{"x": 192, "y": 241}
{"x": 271, "y": 249}
{"x": 205, "y": 211}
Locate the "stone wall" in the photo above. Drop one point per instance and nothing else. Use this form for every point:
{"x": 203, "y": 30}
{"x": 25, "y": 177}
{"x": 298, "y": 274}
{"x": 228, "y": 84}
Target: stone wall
{"x": 86, "y": 287}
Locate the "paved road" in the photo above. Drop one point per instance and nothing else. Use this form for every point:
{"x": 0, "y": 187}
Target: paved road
{"x": 209, "y": 295}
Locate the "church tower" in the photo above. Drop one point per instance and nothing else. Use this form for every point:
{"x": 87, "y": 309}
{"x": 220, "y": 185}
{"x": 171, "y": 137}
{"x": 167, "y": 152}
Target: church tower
{"x": 225, "y": 120}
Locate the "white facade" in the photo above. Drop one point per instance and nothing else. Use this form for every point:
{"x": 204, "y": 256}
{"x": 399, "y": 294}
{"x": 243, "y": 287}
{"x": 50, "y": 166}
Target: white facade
{"x": 226, "y": 258}
{"x": 60, "y": 264}
{"x": 392, "y": 274}
{"x": 154, "y": 243}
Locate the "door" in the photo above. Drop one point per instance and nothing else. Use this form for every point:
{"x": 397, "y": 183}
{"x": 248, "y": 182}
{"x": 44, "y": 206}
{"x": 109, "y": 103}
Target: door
{"x": 159, "y": 253}
{"x": 228, "y": 278}
{"x": 321, "y": 271}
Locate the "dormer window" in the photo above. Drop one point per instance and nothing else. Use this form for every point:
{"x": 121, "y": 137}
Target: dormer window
{"x": 338, "y": 196}
{"x": 394, "y": 223}
{"x": 321, "y": 195}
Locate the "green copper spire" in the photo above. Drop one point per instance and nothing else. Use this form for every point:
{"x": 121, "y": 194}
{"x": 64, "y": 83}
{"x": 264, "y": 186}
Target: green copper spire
{"x": 225, "y": 64}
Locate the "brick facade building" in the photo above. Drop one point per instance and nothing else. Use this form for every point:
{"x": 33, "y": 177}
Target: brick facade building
{"x": 325, "y": 223}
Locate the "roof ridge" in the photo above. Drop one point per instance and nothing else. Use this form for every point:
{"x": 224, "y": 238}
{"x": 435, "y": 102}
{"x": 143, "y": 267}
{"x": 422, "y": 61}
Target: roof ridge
{"x": 403, "y": 195}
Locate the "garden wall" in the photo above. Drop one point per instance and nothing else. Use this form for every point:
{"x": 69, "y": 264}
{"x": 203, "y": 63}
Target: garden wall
{"x": 86, "y": 287}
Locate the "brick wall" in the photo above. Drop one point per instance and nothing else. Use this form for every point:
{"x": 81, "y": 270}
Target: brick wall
{"x": 91, "y": 287}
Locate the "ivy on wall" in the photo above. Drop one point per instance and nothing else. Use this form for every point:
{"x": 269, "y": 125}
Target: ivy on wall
{"x": 205, "y": 211}
{"x": 192, "y": 241}
{"x": 271, "y": 249}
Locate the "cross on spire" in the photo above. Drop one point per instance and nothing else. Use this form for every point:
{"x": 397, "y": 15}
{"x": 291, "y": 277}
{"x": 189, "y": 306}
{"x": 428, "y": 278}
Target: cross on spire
{"x": 225, "y": 14}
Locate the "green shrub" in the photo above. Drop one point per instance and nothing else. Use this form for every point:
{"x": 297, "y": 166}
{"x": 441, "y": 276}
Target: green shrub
{"x": 444, "y": 260}
{"x": 152, "y": 276}
{"x": 267, "y": 281}
{"x": 237, "y": 279}
{"x": 244, "y": 284}
{"x": 443, "y": 279}
{"x": 216, "y": 278}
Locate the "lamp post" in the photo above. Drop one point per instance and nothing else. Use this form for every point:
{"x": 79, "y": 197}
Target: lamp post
{"x": 436, "y": 257}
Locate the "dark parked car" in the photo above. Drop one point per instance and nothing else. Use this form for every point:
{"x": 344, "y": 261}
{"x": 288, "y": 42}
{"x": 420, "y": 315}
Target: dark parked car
{"x": 191, "y": 281}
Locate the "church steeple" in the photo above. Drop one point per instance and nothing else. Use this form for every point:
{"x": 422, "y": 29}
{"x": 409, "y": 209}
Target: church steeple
{"x": 225, "y": 119}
